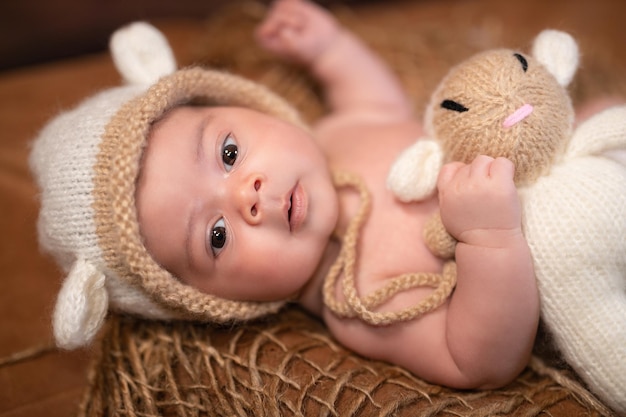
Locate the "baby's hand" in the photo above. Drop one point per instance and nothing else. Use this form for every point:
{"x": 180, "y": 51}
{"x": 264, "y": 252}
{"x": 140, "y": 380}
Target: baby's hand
{"x": 479, "y": 203}
{"x": 297, "y": 30}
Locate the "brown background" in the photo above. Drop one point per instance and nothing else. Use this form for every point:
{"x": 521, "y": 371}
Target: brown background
{"x": 33, "y": 31}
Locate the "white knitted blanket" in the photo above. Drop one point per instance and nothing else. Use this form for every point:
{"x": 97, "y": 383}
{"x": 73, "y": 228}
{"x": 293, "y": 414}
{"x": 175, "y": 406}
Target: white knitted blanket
{"x": 575, "y": 224}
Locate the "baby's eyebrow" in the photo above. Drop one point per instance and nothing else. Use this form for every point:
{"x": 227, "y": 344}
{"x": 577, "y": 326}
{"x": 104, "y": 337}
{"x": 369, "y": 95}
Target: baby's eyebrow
{"x": 199, "y": 137}
{"x": 191, "y": 221}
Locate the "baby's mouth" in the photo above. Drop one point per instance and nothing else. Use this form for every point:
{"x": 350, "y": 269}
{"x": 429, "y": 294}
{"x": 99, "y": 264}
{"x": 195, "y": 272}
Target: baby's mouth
{"x": 289, "y": 211}
{"x": 298, "y": 205}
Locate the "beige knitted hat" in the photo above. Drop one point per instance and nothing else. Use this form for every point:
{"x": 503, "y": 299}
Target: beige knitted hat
{"x": 86, "y": 162}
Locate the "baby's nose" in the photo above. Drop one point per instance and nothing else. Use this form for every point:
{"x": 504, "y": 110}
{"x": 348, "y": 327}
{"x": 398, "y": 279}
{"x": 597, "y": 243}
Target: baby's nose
{"x": 248, "y": 199}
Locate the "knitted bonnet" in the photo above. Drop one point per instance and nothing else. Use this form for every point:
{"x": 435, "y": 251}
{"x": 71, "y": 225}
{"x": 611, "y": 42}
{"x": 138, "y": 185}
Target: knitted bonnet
{"x": 86, "y": 162}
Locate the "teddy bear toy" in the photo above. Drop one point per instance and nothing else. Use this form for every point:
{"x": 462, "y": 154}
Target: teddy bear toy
{"x": 572, "y": 185}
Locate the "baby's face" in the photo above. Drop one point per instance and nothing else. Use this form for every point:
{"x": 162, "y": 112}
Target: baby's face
{"x": 235, "y": 203}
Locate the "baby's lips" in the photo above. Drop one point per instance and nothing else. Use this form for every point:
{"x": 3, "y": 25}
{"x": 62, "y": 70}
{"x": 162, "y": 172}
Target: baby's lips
{"x": 298, "y": 209}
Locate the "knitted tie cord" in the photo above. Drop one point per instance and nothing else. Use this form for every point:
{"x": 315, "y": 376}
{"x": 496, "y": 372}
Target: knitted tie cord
{"x": 357, "y": 306}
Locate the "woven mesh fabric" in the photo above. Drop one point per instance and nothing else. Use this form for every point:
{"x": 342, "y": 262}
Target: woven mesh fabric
{"x": 287, "y": 366}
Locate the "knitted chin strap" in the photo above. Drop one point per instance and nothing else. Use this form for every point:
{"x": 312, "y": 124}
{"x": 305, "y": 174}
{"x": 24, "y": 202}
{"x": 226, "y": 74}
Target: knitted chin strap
{"x": 355, "y": 305}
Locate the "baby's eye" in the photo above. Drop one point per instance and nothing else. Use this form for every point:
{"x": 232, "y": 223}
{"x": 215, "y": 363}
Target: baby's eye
{"x": 229, "y": 152}
{"x": 522, "y": 61}
{"x": 216, "y": 237}
{"x": 453, "y": 105}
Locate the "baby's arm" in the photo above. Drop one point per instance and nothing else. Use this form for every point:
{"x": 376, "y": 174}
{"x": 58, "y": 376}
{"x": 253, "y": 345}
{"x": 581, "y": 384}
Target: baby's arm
{"x": 494, "y": 311}
{"x": 355, "y": 80}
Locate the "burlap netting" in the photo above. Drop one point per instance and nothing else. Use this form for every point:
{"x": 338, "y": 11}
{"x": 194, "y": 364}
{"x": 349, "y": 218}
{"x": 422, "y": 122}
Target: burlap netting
{"x": 117, "y": 168}
{"x": 288, "y": 364}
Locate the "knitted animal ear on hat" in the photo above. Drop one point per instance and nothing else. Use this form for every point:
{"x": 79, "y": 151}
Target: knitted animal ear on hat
{"x": 86, "y": 162}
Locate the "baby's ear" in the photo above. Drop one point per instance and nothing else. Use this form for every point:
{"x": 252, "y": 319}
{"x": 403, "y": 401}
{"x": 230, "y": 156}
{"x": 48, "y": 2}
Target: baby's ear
{"x": 141, "y": 53}
{"x": 558, "y": 52}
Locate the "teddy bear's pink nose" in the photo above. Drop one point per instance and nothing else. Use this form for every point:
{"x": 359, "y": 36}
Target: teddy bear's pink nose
{"x": 518, "y": 115}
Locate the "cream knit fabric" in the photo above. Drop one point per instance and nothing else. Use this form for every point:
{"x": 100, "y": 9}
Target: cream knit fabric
{"x": 575, "y": 224}
{"x": 86, "y": 162}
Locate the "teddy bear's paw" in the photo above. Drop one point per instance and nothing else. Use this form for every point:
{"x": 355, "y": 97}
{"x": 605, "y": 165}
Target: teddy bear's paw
{"x": 437, "y": 238}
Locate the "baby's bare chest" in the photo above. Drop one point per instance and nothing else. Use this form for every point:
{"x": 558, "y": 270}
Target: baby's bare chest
{"x": 391, "y": 241}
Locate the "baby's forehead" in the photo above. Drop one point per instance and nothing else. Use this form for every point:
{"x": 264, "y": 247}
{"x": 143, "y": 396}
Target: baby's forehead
{"x": 190, "y": 109}
{"x": 179, "y": 110}
{"x": 181, "y": 114}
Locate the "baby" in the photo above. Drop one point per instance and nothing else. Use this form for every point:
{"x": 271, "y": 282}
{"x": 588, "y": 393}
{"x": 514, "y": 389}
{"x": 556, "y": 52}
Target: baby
{"x": 229, "y": 193}
{"x": 241, "y": 205}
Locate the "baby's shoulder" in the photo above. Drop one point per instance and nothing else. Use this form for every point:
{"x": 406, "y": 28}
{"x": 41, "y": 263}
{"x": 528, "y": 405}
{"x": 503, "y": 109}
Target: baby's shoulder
{"x": 355, "y": 141}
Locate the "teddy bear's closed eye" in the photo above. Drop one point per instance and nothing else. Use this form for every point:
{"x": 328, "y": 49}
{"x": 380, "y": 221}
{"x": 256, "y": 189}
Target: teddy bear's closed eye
{"x": 522, "y": 61}
{"x": 453, "y": 105}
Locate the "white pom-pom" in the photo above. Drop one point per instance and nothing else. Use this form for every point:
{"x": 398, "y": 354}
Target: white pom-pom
{"x": 413, "y": 176}
{"x": 558, "y": 52}
{"x": 141, "y": 53}
{"x": 81, "y": 306}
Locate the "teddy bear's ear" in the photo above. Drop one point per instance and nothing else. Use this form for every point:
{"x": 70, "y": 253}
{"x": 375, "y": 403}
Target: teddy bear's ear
{"x": 558, "y": 52}
{"x": 141, "y": 53}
